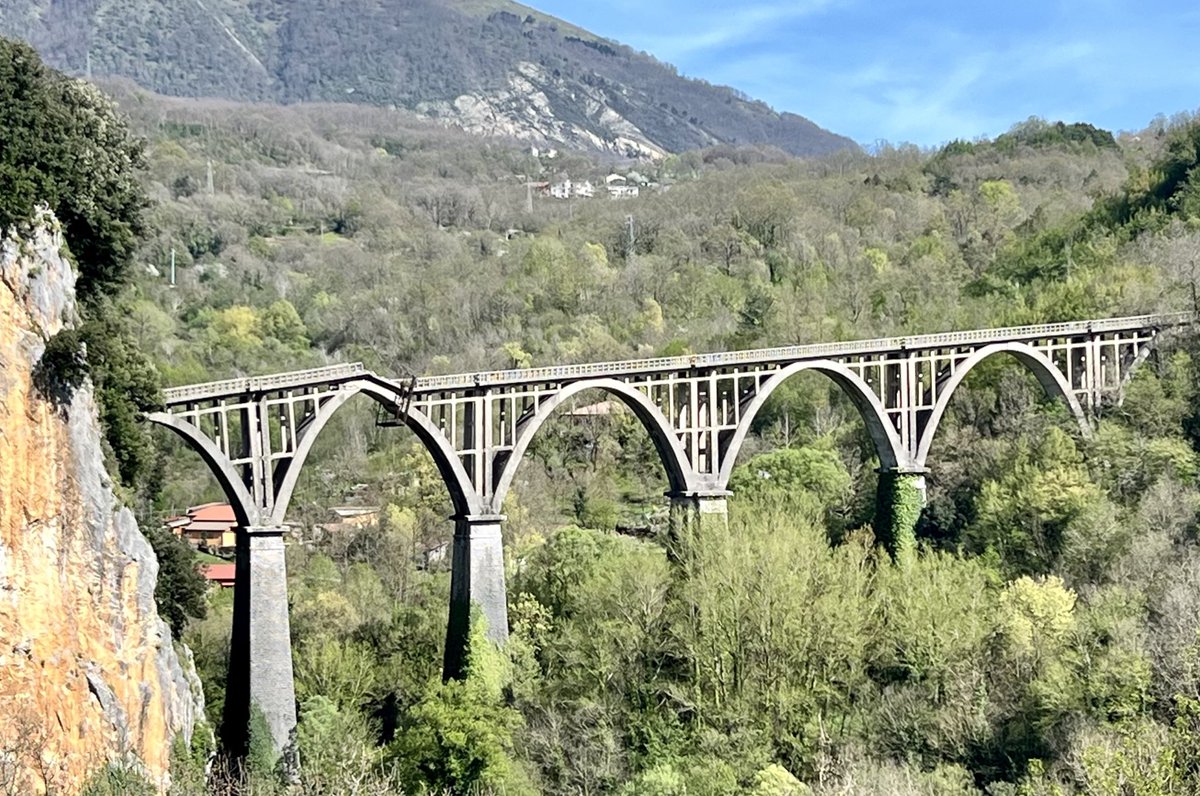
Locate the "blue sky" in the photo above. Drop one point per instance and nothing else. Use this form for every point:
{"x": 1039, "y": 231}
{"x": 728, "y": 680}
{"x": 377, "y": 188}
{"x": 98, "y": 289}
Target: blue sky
{"x": 924, "y": 72}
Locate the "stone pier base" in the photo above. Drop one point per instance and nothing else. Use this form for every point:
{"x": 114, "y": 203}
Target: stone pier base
{"x": 476, "y": 580}
{"x": 260, "y": 660}
{"x": 700, "y": 510}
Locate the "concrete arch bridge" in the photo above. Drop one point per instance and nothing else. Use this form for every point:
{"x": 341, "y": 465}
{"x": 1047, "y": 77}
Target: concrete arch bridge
{"x": 255, "y": 435}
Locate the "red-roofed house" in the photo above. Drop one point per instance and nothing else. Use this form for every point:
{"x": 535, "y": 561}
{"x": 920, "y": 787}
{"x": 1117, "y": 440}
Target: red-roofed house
{"x": 211, "y": 526}
{"x": 220, "y": 574}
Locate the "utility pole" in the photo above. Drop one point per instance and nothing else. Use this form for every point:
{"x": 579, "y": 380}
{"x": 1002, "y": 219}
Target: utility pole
{"x": 632, "y": 239}
{"x": 529, "y": 197}
{"x": 172, "y": 266}
{"x": 209, "y": 180}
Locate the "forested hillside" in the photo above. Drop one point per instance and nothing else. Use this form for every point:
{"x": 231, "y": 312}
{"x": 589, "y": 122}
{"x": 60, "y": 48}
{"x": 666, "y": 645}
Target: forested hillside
{"x": 495, "y": 67}
{"x": 1044, "y": 640}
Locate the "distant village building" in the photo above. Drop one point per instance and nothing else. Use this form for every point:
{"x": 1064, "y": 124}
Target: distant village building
{"x": 221, "y": 575}
{"x": 561, "y": 190}
{"x": 435, "y": 555}
{"x": 600, "y": 409}
{"x": 353, "y": 517}
{"x": 565, "y": 188}
{"x": 211, "y": 527}
{"x": 616, "y": 185}
{"x": 346, "y": 520}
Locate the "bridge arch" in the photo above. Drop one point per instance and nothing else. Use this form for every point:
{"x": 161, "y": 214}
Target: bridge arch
{"x": 1048, "y": 375}
{"x": 887, "y": 442}
{"x": 462, "y": 495}
{"x": 670, "y": 451}
{"x": 465, "y": 499}
{"x": 244, "y": 509}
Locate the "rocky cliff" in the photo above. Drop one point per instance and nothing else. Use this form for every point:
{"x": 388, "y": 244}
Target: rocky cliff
{"x": 88, "y": 672}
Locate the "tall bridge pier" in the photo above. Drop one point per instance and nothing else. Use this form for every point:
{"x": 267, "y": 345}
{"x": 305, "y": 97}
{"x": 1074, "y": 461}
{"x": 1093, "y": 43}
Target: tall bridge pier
{"x": 255, "y": 434}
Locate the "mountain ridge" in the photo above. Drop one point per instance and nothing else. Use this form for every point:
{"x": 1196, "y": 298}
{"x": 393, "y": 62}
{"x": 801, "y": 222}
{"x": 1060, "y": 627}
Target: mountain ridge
{"x": 486, "y": 66}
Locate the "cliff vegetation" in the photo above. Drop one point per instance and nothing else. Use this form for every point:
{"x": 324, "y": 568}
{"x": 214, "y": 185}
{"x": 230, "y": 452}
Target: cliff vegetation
{"x": 90, "y": 679}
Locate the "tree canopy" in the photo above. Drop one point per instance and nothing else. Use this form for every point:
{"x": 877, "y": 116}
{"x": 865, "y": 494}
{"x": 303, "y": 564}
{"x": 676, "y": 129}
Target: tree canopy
{"x": 62, "y": 144}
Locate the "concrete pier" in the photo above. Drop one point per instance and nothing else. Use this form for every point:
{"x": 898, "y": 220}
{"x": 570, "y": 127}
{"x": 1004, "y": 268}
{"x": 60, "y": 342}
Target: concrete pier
{"x": 476, "y": 582}
{"x": 700, "y": 509}
{"x": 898, "y": 503}
{"x": 260, "y": 661}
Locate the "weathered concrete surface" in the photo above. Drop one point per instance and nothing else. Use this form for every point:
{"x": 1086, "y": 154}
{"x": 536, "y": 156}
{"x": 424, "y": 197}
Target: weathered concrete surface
{"x": 700, "y": 509}
{"x": 260, "y": 662}
{"x": 477, "y": 578}
{"x": 88, "y": 673}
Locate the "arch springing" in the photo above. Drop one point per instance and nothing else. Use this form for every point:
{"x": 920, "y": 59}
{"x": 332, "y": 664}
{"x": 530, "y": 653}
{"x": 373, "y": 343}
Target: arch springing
{"x": 465, "y": 499}
{"x": 243, "y": 505}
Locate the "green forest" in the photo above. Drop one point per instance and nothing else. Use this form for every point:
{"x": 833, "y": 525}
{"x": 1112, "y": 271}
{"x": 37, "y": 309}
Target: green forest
{"x": 1043, "y": 639}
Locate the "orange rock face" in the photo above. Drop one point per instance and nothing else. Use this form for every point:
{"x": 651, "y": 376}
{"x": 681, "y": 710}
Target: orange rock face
{"x": 88, "y": 673}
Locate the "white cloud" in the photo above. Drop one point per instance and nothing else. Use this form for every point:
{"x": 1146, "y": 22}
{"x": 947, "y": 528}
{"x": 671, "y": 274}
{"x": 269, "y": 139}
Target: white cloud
{"x": 703, "y": 31}
{"x": 927, "y": 72}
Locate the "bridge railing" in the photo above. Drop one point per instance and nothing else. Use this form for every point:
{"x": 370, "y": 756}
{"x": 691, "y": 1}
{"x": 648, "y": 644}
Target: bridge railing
{"x": 251, "y": 384}
{"x": 428, "y": 384}
{"x": 432, "y": 384}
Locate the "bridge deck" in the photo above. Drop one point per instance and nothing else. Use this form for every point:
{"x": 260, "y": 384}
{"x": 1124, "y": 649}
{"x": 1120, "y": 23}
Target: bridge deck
{"x": 760, "y": 356}
{"x": 277, "y": 381}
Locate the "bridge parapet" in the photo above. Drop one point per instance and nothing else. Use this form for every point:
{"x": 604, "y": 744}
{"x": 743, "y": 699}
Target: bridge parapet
{"x": 230, "y": 388}
{"x": 788, "y": 354}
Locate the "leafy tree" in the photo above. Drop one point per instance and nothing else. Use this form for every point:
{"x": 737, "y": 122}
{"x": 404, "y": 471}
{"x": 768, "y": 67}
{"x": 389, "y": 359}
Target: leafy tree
{"x": 775, "y": 780}
{"x": 1037, "y": 132}
{"x": 344, "y": 673}
{"x": 792, "y": 472}
{"x": 117, "y": 780}
{"x": 459, "y": 737}
{"x": 334, "y": 743}
{"x": 180, "y": 590}
{"x": 1027, "y": 513}
{"x": 65, "y": 146}
{"x": 930, "y": 655}
{"x": 126, "y": 386}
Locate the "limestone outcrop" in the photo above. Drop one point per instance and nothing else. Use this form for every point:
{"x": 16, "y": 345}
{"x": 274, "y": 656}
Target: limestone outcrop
{"x": 524, "y": 110}
{"x": 88, "y": 671}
